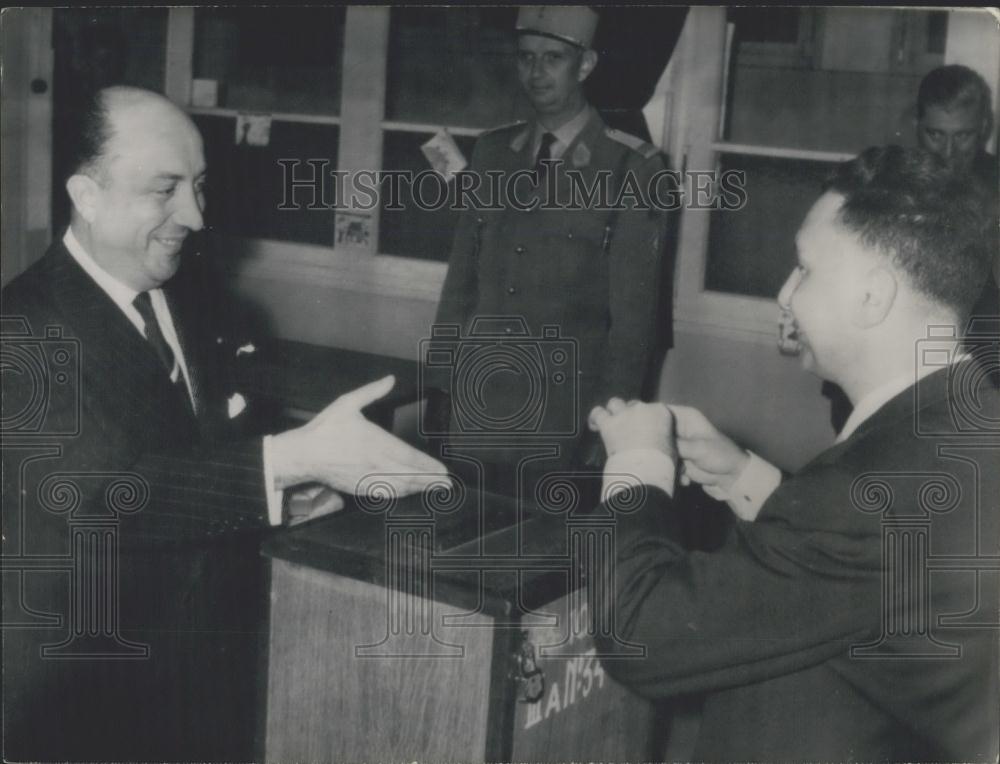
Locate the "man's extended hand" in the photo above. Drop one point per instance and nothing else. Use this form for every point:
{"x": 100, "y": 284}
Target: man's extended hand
{"x": 708, "y": 457}
{"x": 311, "y": 501}
{"x": 339, "y": 448}
{"x": 634, "y": 425}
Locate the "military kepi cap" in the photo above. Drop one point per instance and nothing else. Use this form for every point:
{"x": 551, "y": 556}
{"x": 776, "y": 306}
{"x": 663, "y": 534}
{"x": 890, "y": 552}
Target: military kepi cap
{"x": 574, "y": 24}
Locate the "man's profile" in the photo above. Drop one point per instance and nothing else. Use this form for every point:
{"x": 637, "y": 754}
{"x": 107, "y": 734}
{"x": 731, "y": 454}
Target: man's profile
{"x": 817, "y": 630}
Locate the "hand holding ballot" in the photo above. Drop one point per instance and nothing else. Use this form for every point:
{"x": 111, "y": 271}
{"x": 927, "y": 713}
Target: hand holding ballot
{"x": 708, "y": 457}
{"x": 634, "y": 426}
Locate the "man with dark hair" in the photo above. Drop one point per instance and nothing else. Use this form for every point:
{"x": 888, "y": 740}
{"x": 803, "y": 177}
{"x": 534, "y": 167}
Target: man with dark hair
{"x": 851, "y": 614}
{"x": 143, "y": 395}
{"x": 955, "y": 118}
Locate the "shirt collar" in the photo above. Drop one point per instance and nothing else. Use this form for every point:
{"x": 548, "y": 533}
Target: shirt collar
{"x": 565, "y": 134}
{"x": 881, "y": 395}
{"x": 120, "y": 293}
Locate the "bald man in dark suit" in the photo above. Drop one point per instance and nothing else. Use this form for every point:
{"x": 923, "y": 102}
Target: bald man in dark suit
{"x": 139, "y": 429}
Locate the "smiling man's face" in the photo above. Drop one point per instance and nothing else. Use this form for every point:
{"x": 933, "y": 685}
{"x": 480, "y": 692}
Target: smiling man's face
{"x": 149, "y": 195}
{"x": 822, "y": 292}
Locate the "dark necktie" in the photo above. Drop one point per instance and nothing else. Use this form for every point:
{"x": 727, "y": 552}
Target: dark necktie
{"x": 544, "y": 152}
{"x": 144, "y": 305}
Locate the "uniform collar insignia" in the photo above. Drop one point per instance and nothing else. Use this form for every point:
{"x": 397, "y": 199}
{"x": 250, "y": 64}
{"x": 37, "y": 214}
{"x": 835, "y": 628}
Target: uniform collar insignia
{"x": 519, "y": 139}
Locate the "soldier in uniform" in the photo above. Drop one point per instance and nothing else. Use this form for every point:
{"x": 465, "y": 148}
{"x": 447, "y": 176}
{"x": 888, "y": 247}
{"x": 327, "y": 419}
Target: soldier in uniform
{"x": 583, "y": 278}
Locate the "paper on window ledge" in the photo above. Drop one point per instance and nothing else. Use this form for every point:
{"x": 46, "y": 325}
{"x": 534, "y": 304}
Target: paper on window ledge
{"x": 235, "y": 405}
{"x": 444, "y": 155}
{"x": 253, "y": 129}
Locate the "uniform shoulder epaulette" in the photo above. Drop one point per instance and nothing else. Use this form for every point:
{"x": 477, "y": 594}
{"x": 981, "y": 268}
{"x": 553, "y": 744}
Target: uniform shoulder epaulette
{"x": 648, "y": 150}
{"x": 504, "y": 128}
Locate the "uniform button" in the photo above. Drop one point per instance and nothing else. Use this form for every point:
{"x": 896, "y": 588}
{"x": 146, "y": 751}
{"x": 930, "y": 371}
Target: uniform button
{"x": 507, "y": 330}
{"x": 519, "y": 249}
{"x": 511, "y": 290}
{"x": 569, "y": 235}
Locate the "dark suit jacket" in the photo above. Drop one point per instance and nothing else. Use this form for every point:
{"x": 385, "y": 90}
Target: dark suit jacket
{"x": 766, "y": 624}
{"x": 188, "y": 576}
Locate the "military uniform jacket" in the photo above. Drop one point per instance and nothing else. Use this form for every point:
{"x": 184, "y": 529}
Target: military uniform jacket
{"x": 592, "y": 274}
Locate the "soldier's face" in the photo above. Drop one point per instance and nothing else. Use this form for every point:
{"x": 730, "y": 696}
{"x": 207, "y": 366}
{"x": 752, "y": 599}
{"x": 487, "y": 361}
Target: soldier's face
{"x": 551, "y": 72}
{"x": 955, "y": 135}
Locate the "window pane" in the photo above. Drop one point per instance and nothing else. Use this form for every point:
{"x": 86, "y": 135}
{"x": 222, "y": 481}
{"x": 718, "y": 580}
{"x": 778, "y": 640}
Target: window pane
{"x": 246, "y": 183}
{"x": 766, "y": 24}
{"x": 453, "y": 66}
{"x": 937, "y": 31}
{"x": 842, "y": 101}
{"x": 272, "y": 59}
{"x": 820, "y": 110}
{"x": 412, "y": 231}
{"x": 94, "y": 48}
{"x": 752, "y": 250}
{"x": 97, "y": 47}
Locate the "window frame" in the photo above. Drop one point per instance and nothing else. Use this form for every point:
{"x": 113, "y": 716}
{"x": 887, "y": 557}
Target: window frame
{"x": 363, "y": 93}
{"x": 694, "y": 113}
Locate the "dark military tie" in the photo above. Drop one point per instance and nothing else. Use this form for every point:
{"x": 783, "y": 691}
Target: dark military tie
{"x": 144, "y": 305}
{"x": 544, "y": 152}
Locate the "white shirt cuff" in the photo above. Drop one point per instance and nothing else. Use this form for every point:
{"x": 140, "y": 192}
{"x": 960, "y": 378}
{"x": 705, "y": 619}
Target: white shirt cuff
{"x": 275, "y": 496}
{"x": 641, "y": 466}
{"x": 751, "y": 489}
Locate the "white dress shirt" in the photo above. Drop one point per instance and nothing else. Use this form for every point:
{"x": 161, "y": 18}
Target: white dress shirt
{"x": 759, "y": 478}
{"x": 122, "y": 295}
{"x": 564, "y": 135}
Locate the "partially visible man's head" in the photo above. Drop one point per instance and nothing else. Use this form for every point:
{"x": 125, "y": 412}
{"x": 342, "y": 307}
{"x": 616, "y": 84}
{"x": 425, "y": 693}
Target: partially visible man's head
{"x": 897, "y": 236}
{"x": 137, "y": 184}
{"x": 954, "y": 116}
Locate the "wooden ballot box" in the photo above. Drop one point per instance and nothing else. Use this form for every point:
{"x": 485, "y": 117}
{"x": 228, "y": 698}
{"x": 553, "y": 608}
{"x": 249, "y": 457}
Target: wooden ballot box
{"x": 445, "y": 627}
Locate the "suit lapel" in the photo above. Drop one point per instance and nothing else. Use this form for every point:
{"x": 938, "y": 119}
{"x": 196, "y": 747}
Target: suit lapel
{"x": 123, "y": 366}
{"x": 933, "y": 389}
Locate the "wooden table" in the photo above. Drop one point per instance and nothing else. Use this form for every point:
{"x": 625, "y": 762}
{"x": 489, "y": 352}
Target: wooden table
{"x": 453, "y": 630}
